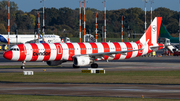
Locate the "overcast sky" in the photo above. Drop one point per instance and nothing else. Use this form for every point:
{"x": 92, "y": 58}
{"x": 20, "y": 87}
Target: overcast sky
{"x": 28, "y": 5}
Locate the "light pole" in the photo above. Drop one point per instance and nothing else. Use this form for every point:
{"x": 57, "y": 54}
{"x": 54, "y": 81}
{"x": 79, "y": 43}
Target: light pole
{"x": 122, "y": 27}
{"x": 104, "y": 20}
{"x": 8, "y": 23}
{"x": 84, "y": 19}
{"x": 96, "y": 26}
{"x": 43, "y": 32}
{"x": 151, "y": 10}
{"x": 80, "y": 21}
{"x": 145, "y": 14}
{"x": 179, "y": 23}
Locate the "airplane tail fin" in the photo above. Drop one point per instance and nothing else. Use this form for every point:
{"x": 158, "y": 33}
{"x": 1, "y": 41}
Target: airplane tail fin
{"x": 163, "y": 32}
{"x": 152, "y": 33}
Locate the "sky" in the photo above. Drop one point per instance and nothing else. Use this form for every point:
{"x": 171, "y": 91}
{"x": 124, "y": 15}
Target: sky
{"x": 28, "y": 5}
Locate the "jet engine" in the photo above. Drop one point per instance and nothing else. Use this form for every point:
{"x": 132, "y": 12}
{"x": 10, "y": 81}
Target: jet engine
{"x": 55, "y": 63}
{"x": 81, "y": 61}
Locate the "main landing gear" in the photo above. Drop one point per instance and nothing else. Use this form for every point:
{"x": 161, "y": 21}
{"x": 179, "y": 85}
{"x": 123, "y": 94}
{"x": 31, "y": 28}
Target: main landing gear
{"x": 23, "y": 65}
{"x": 75, "y": 66}
{"x": 94, "y": 65}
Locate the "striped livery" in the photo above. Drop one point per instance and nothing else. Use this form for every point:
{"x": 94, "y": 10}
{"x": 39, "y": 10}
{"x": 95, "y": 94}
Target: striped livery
{"x": 95, "y": 51}
{"x": 65, "y": 51}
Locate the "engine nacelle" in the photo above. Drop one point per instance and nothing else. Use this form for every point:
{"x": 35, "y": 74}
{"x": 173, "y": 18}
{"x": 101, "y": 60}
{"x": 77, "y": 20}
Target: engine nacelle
{"x": 54, "y": 63}
{"x": 81, "y": 61}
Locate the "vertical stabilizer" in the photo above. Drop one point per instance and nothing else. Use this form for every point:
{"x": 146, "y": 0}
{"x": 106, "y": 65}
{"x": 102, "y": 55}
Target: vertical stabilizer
{"x": 163, "y": 32}
{"x": 152, "y": 33}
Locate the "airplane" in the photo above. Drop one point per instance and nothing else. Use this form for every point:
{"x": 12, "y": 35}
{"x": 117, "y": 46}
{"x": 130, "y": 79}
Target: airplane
{"x": 83, "y": 54}
{"x": 29, "y": 38}
{"x": 165, "y": 34}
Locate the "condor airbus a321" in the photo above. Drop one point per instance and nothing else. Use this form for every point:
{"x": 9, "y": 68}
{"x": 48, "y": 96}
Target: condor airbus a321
{"x": 83, "y": 54}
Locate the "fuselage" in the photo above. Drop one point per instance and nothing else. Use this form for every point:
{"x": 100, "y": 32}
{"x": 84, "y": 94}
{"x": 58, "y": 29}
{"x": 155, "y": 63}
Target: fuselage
{"x": 27, "y": 38}
{"x": 66, "y": 51}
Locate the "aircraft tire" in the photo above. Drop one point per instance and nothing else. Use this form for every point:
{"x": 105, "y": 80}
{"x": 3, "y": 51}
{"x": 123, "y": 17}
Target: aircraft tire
{"x": 75, "y": 66}
{"x": 22, "y": 67}
{"x": 94, "y": 65}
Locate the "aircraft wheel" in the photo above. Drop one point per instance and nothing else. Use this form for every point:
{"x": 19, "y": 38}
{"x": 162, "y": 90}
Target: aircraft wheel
{"x": 94, "y": 65}
{"x": 22, "y": 67}
{"x": 75, "y": 66}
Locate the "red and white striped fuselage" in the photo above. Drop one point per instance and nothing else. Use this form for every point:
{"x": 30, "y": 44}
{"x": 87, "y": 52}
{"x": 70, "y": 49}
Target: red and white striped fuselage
{"x": 66, "y": 51}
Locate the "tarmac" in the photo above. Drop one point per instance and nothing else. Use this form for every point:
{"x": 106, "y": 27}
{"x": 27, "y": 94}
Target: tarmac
{"x": 98, "y": 90}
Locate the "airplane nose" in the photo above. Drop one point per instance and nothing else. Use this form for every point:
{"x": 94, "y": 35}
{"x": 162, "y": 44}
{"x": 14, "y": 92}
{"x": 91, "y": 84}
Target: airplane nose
{"x": 8, "y": 55}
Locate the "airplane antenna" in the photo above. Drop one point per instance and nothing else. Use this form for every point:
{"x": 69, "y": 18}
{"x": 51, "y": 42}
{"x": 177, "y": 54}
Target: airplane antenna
{"x": 80, "y": 21}
{"x": 8, "y": 23}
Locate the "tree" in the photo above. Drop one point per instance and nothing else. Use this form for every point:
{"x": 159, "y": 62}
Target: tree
{"x": 2, "y": 28}
{"x": 33, "y": 20}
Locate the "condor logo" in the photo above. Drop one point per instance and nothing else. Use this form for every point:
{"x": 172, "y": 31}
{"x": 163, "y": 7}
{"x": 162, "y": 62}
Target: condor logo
{"x": 41, "y": 53}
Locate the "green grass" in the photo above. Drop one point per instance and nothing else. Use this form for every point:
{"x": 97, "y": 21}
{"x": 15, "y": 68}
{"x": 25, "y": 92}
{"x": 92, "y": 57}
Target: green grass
{"x": 70, "y": 98}
{"x": 144, "y": 77}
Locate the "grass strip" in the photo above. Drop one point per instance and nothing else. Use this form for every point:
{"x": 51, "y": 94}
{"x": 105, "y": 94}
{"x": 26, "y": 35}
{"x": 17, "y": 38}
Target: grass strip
{"x": 70, "y": 98}
{"x": 144, "y": 77}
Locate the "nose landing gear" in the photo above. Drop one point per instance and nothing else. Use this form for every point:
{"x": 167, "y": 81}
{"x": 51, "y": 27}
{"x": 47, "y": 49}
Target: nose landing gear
{"x": 23, "y": 65}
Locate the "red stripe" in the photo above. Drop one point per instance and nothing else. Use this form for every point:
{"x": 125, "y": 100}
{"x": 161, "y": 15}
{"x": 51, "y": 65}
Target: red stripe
{"x": 94, "y": 47}
{"x": 118, "y": 48}
{"x": 106, "y": 49}
{"x": 59, "y": 51}
{"x": 148, "y": 34}
{"x": 159, "y": 19}
{"x": 71, "y": 51}
{"x": 82, "y": 48}
{"x": 35, "y": 50}
{"x": 23, "y": 52}
{"x": 161, "y": 46}
{"x": 140, "y": 45}
{"x": 47, "y": 52}
{"x": 129, "y": 47}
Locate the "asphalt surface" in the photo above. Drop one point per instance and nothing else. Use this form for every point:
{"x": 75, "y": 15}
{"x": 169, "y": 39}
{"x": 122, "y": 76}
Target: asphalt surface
{"x": 96, "y": 90}
{"x": 104, "y": 90}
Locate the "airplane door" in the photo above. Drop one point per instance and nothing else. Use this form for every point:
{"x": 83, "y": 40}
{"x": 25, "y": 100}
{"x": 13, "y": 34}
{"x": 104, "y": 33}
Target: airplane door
{"x": 59, "y": 48}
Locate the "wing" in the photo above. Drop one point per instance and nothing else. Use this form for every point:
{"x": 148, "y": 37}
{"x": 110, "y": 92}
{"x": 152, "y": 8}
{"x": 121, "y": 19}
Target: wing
{"x": 155, "y": 48}
{"x": 102, "y": 54}
{"x": 33, "y": 41}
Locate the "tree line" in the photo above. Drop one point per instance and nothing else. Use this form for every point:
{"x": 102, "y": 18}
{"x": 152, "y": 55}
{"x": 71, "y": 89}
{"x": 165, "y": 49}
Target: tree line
{"x": 65, "y": 21}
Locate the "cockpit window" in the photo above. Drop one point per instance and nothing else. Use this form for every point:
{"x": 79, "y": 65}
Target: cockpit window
{"x": 14, "y": 49}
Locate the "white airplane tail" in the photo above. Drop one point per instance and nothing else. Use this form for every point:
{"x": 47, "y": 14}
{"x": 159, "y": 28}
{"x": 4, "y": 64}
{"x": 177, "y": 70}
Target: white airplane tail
{"x": 152, "y": 33}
